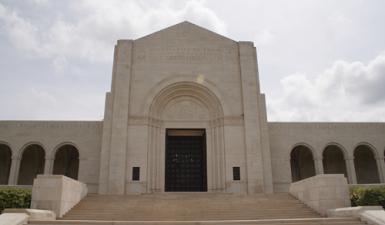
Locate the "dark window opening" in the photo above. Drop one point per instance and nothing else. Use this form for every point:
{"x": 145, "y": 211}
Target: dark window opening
{"x": 135, "y": 173}
{"x": 236, "y": 173}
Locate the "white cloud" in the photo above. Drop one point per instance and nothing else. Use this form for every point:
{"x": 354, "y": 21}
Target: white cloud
{"x": 20, "y": 32}
{"x": 347, "y": 91}
{"x": 32, "y": 101}
{"x": 38, "y": 104}
{"x": 97, "y": 24}
{"x": 264, "y": 37}
{"x": 40, "y": 2}
{"x": 60, "y": 64}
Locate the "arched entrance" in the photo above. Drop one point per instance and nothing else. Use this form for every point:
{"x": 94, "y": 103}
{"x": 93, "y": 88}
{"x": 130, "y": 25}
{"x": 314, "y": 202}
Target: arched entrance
{"x": 180, "y": 107}
{"x": 302, "y": 163}
{"x": 32, "y": 164}
{"x": 5, "y": 163}
{"x": 333, "y": 160}
{"x": 366, "y": 165}
{"x": 67, "y": 161}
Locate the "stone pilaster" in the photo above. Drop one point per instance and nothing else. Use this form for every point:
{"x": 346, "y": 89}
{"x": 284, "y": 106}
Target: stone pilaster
{"x": 251, "y": 114}
{"x": 119, "y": 120}
{"x": 267, "y": 169}
{"x": 105, "y": 151}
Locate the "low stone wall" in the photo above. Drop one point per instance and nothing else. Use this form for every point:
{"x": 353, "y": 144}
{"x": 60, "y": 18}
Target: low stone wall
{"x": 351, "y": 211}
{"x": 322, "y": 192}
{"x": 34, "y": 214}
{"x": 28, "y": 187}
{"x": 13, "y": 219}
{"x": 380, "y": 185}
{"x": 374, "y": 217}
{"x": 57, "y": 193}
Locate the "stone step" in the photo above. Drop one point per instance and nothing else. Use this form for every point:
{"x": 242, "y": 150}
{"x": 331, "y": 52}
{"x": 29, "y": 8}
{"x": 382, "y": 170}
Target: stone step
{"x": 310, "y": 221}
{"x": 181, "y": 217}
{"x": 189, "y": 207}
{"x": 186, "y": 207}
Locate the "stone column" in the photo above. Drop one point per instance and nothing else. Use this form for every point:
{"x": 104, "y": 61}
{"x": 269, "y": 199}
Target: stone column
{"x": 380, "y": 166}
{"x": 351, "y": 169}
{"x": 48, "y": 166}
{"x": 13, "y": 173}
{"x": 319, "y": 167}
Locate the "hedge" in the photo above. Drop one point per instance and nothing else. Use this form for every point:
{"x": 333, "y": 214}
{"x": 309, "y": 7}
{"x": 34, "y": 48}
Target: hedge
{"x": 14, "y": 198}
{"x": 361, "y": 196}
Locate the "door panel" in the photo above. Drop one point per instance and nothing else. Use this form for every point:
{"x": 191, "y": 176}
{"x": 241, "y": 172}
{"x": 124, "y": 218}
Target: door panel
{"x": 186, "y": 163}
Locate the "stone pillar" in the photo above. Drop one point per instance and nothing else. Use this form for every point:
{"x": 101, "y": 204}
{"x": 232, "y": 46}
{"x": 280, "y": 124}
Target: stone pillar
{"x": 115, "y": 127}
{"x": 14, "y": 172}
{"x": 351, "y": 169}
{"x": 105, "y": 151}
{"x": 380, "y": 167}
{"x": 252, "y": 119}
{"x": 267, "y": 168}
{"x": 319, "y": 167}
{"x": 48, "y": 166}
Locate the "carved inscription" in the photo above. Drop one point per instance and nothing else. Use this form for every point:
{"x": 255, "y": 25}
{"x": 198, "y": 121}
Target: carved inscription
{"x": 182, "y": 55}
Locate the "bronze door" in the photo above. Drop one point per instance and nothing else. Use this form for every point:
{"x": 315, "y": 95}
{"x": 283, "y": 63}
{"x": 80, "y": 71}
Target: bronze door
{"x": 186, "y": 163}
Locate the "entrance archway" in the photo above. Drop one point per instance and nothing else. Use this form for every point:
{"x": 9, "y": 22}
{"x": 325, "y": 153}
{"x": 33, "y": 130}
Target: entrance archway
{"x": 32, "y": 164}
{"x": 67, "y": 161}
{"x": 5, "y": 163}
{"x": 302, "y": 163}
{"x": 366, "y": 165}
{"x": 333, "y": 160}
{"x": 186, "y": 105}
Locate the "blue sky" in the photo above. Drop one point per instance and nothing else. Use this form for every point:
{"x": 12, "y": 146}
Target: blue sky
{"x": 319, "y": 60}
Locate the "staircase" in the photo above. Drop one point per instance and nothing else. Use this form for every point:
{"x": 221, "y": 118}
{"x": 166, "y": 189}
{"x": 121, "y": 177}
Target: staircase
{"x": 194, "y": 208}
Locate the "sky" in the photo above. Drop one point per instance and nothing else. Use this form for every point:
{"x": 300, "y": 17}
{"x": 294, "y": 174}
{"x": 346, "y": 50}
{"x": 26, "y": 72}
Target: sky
{"x": 319, "y": 60}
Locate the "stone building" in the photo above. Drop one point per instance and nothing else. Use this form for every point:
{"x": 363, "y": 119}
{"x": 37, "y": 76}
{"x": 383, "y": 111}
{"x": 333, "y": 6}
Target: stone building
{"x": 185, "y": 113}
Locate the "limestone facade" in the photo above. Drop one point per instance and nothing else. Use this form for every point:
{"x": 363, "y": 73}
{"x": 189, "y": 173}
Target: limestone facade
{"x": 187, "y": 77}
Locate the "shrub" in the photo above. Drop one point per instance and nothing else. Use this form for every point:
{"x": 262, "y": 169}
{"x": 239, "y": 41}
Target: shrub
{"x": 361, "y": 196}
{"x": 14, "y": 198}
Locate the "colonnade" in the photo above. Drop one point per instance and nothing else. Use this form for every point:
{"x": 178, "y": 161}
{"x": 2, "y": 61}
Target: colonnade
{"x": 21, "y": 169}
{"x": 363, "y": 166}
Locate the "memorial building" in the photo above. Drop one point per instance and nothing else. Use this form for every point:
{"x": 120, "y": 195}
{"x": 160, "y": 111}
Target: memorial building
{"x": 185, "y": 114}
